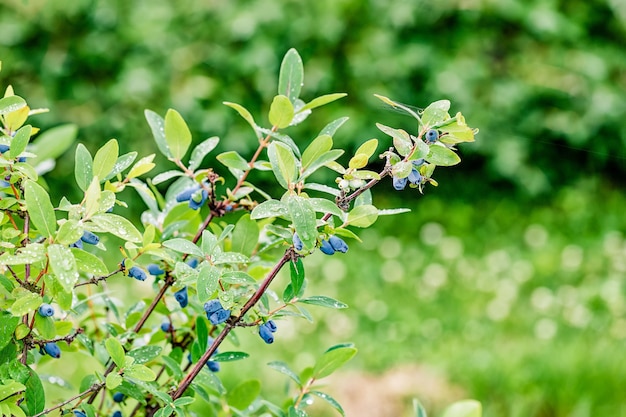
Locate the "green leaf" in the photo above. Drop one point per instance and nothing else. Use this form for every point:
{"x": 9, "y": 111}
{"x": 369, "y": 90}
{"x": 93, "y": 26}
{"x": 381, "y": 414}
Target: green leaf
{"x": 121, "y": 164}
{"x": 9, "y": 105}
{"x": 40, "y": 208}
{"x": 34, "y": 396}
{"x": 20, "y": 140}
{"x": 245, "y": 235}
{"x": 281, "y": 112}
{"x": 140, "y": 372}
{"x": 117, "y": 225}
{"x": 395, "y": 104}
{"x": 69, "y": 232}
{"x": 402, "y": 169}
{"x": 25, "y": 302}
{"x": 92, "y": 198}
{"x": 145, "y": 354}
{"x": 53, "y": 142}
{"x": 243, "y": 112}
{"x": 358, "y": 161}
{"x": 442, "y": 156}
{"x": 323, "y": 160}
{"x": 232, "y": 159}
{"x": 291, "y": 76}
{"x": 237, "y": 278}
{"x": 269, "y": 208}
{"x": 116, "y": 351}
{"x": 401, "y": 139}
{"x": 105, "y": 158}
{"x": 8, "y": 323}
{"x": 202, "y": 333}
{"x": 157, "y": 125}
{"x": 296, "y": 412}
{"x": 166, "y": 175}
{"x": 229, "y": 356}
{"x": 330, "y": 400}
{"x": 284, "y": 369}
{"x": 364, "y": 174}
{"x": 322, "y": 205}
{"x": 183, "y": 246}
{"x": 31, "y": 253}
{"x": 142, "y": 166}
{"x": 296, "y": 269}
{"x": 465, "y": 408}
{"x": 89, "y": 263}
{"x": 322, "y": 100}
{"x": 113, "y": 380}
{"x": 202, "y": 150}
{"x": 332, "y": 360}
{"x": 83, "y": 167}
{"x": 283, "y": 164}
{"x": 45, "y": 326}
{"x": 332, "y": 127}
{"x": 421, "y": 150}
{"x": 318, "y": 147}
{"x": 173, "y": 366}
{"x": 418, "y": 409}
{"x": 10, "y": 387}
{"x": 323, "y": 301}
{"x": 177, "y": 134}
{"x": 63, "y": 265}
{"x": 436, "y": 112}
{"x": 229, "y": 258}
{"x": 362, "y": 216}
{"x": 303, "y": 218}
{"x": 368, "y": 148}
{"x": 243, "y": 394}
{"x": 182, "y": 401}
{"x": 208, "y": 277}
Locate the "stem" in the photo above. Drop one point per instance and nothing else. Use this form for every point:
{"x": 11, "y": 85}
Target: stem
{"x": 95, "y": 387}
{"x": 264, "y": 142}
{"x": 200, "y": 230}
{"x": 24, "y": 243}
{"x": 188, "y": 379}
{"x": 305, "y": 390}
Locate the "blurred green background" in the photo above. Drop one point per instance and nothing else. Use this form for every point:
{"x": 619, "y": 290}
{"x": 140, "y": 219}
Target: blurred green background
{"x": 508, "y": 279}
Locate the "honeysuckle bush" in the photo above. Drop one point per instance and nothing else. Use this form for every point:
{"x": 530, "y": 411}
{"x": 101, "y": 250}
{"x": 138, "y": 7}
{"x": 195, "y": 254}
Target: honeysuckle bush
{"x": 210, "y": 244}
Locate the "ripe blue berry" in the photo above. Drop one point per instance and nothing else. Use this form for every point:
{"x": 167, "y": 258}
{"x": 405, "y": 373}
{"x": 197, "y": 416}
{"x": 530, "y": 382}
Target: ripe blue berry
{"x": 118, "y": 397}
{"x": 266, "y": 334}
{"x": 219, "y": 316}
{"x": 118, "y": 413}
{"x": 212, "y": 306}
{"x": 21, "y": 159}
{"x": 78, "y": 244}
{"x": 137, "y": 273}
{"x": 78, "y": 413}
{"x": 213, "y": 366}
{"x": 297, "y": 243}
{"x": 46, "y": 310}
{"x": 418, "y": 162}
{"x": 192, "y": 262}
{"x": 52, "y": 349}
{"x": 166, "y": 326}
{"x": 4, "y": 148}
{"x": 182, "y": 297}
{"x": 186, "y": 194}
{"x": 338, "y": 244}
{"x": 90, "y": 238}
{"x": 155, "y": 270}
{"x": 271, "y": 325}
{"x": 399, "y": 183}
{"x": 431, "y": 136}
{"x": 197, "y": 200}
{"x": 326, "y": 247}
{"x": 415, "y": 177}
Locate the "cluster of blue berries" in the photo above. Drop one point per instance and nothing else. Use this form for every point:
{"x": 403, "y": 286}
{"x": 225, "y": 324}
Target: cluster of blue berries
{"x": 196, "y": 196}
{"x": 415, "y": 178}
{"x": 87, "y": 237}
{"x": 267, "y": 330}
{"x": 215, "y": 312}
{"x": 329, "y": 247}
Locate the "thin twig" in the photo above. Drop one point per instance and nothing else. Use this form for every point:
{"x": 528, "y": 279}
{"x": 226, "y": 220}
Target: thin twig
{"x": 94, "y": 387}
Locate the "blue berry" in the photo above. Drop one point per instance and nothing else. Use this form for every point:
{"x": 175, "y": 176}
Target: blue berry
{"x": 418, "y": 162}
{"x": 155, "y": 270}
{"x": 229, "y": 207}
{"x": 197, "y": 200}
{"x": 137, "y": 273}
{"x": 399, "y": 183}
{"x": 431, "y": 136}
{"x": 213, "y": 366}
{"x": 219, "y": 316}
{"x": 338, "y": 244}
{"x": 192, "y": 262}
{"x": 21, "y": 159}
{"x": 182, "y": 297}
{"x": 166, "y": 326}
{"x": 4, "y": 148}
{"x": 52, "y": 349}
{"x": 90, "y": 238}
{"x": 186, "y": 194}
{"x": 212, "y": 306}
{"x": 78, "y": 413}
{"x": 118, "y": 397}
{"x": 271, "y": 325}
{"x": 297, "y": 243}
{"x": 326, "y": 247}
{"x": 78, "y": 244}
{"x": 415, "y": 177}
{"x": 118, "y": 413}
{"x": 46, "y": 310}
{"x": 266, "y": 334}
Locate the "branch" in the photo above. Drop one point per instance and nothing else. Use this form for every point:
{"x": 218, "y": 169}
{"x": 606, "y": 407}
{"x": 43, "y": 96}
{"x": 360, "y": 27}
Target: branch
{"x": 94, "y": 387}
{"x": 96, "y": 280}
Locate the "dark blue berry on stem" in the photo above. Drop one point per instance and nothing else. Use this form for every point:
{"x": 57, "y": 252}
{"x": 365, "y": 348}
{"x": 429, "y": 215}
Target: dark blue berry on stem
{"x": 52, "y": 349}
{"x": 197, "y": 200}
{"x": 399, "y": 183}
{"x": 118, "y": 413}
{"x": 266, "y": 334}
{"x": 166, "y": 326}
{"x": 415, "y": 177}
{"x": 219, "y": 316}
{"x": 78, "y": 244}
{"x": 4, "y": 148}
{"x": 137, "y": 273}
{"x": 21, "y": 159}
{"x": 118, "y": 397}
{"x": 431, "y": 136}
{"x": 297, "y": 243}
{"x": 212, "y": 306}
{"x": 155, "y": 270}
{"x": 192, "y": 262}
{"x": 46, "y": 310}
{"x": 182, "y": 297}
{"x": 213, "y": 366}
{"x": 326, "y": 247}
{"x": 186, "y": 194}
{"x": 338, "y": 244}
{"x": 271, "y": 325}
{"x": 90, "y": 238}
{"x": 78, "y": 413}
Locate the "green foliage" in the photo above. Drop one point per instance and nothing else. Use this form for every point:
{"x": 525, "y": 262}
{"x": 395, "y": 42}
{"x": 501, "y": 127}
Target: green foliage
{"x": 214, "y": 250}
